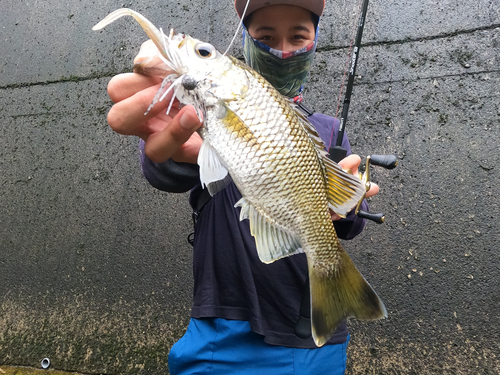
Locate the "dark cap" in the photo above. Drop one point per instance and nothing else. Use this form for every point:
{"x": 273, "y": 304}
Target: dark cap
{"x": 315, "y": 6}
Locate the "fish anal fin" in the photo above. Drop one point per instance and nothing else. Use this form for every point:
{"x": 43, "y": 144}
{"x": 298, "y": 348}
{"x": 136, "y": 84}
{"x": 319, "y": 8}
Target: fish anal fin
{"x": 272, "y": 242}
{"x": 337, "y": 293}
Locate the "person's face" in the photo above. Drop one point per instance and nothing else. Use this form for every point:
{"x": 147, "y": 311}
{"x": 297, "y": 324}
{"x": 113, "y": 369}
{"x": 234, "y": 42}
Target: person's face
{"x": 282, "y": 27}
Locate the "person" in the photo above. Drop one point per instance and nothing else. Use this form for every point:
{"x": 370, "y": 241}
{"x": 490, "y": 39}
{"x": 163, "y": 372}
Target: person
{"x": 243, "y": 311}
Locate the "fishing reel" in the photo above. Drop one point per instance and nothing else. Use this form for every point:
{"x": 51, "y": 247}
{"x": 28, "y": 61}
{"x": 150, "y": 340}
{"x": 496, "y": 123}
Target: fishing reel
{"x": 384, "y": 161}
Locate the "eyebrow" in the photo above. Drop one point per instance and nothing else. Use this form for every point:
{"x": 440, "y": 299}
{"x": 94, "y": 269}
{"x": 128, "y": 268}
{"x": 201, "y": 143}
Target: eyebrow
{"x": 271, "y": 28}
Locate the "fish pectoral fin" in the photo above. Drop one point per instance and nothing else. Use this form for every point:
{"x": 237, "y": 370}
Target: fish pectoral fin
{"x": 272, "y": 242}
{"x": 339, "y": 291}
{"x": 213, "y": 174}
{"x": 344, "y": 190}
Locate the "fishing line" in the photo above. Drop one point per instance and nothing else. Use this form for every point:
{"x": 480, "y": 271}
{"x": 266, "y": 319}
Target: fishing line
{"x": 238, "y": 29}
{"x": 209, "y": 23}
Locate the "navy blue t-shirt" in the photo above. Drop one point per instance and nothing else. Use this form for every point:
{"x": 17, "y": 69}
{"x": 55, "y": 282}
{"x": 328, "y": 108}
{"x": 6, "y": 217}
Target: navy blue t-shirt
{"x": 230, "y": 281}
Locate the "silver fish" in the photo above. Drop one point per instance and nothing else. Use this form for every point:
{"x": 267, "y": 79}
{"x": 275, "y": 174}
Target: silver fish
{"x": 255, "y": 136}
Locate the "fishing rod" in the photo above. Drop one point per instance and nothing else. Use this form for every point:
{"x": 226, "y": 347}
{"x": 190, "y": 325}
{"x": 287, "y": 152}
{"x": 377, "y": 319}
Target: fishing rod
{"x": 337, "y": 153}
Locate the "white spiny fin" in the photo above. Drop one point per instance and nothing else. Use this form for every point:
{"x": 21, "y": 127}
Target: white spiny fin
{"x": 211, "y": 169}
{"x": 311, "y": 131}
{"x": 272, "y": 242}
{"x": 343, "y": 189}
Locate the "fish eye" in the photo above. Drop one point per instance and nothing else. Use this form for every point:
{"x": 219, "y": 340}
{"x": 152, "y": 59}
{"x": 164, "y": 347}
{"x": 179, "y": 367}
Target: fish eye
{"x": 205, "y": 50}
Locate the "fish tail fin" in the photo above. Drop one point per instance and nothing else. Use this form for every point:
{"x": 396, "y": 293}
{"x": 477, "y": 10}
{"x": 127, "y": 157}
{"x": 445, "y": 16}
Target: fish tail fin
{"x": 339, "y": 292}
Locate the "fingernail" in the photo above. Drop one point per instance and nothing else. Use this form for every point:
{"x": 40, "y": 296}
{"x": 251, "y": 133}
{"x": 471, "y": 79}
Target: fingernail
{"x": 188, "y": 121}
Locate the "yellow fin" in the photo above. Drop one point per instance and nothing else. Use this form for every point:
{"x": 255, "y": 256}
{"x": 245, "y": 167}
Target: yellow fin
{"x": 338, "y": 292}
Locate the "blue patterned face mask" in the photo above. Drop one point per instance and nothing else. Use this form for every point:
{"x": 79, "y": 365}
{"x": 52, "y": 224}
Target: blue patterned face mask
{"x": 286, "y": 71}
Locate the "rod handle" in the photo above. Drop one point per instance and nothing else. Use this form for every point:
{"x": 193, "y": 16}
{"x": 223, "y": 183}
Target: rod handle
{"x": 337, "y": 153}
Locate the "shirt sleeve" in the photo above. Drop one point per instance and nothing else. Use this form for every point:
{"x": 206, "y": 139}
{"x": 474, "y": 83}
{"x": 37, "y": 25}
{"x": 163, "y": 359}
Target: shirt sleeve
{"x": 169, "y": 176}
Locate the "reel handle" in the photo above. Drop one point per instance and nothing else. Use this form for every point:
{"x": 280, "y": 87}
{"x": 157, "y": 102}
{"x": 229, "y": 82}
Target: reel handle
{"x": 377, "y": 218}
{"x": 384, "y": 161}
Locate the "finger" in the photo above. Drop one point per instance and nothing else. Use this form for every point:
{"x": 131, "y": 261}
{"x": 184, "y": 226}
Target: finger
{"x": 188, "y": 152}
{"x": 125, "y": 85}
{"x": 128, "y": 116}
{"x": 163, "y": 145}
{"x": 374, "y": 189}
{"x": 334, "y": 216}
{"x": 351, "y": 163}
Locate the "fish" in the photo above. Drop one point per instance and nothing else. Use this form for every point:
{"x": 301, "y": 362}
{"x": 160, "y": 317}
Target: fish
{"x": 257, "y": 138}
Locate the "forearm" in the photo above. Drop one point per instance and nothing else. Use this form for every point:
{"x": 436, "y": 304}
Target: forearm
{"x": 169, "y": 176}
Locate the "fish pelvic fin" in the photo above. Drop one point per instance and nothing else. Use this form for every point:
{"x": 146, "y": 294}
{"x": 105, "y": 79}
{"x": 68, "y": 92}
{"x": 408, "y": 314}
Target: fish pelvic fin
{"x": 337, "y": 293}
{"x": 272, "y": 242}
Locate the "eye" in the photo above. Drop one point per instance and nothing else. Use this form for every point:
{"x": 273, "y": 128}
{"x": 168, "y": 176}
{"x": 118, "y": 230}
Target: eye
{"x": 205, "y": 50}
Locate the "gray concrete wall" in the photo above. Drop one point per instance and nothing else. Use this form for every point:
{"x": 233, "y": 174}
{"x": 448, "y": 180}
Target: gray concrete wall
{"x": 94, "y": 266}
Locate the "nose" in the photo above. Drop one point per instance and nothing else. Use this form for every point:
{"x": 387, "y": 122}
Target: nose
{"x": 284, "y": 44}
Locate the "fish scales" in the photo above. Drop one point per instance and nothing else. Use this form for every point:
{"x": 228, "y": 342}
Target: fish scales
{"x": 253, "y": 135}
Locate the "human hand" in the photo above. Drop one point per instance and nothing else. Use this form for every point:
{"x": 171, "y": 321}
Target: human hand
{"x": 351, "y": 165}
{"x": 166, "y": 136}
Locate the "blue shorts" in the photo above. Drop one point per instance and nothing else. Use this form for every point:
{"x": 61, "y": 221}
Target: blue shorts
{"x": 218, "y": 346}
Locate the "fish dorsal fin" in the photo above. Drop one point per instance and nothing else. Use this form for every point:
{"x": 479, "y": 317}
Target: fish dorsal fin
{"x": 311, "y": 131}
{"x": 272, "y": 243}
{"x": 343, "y": 189}
{"x": 213, "y": 174}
